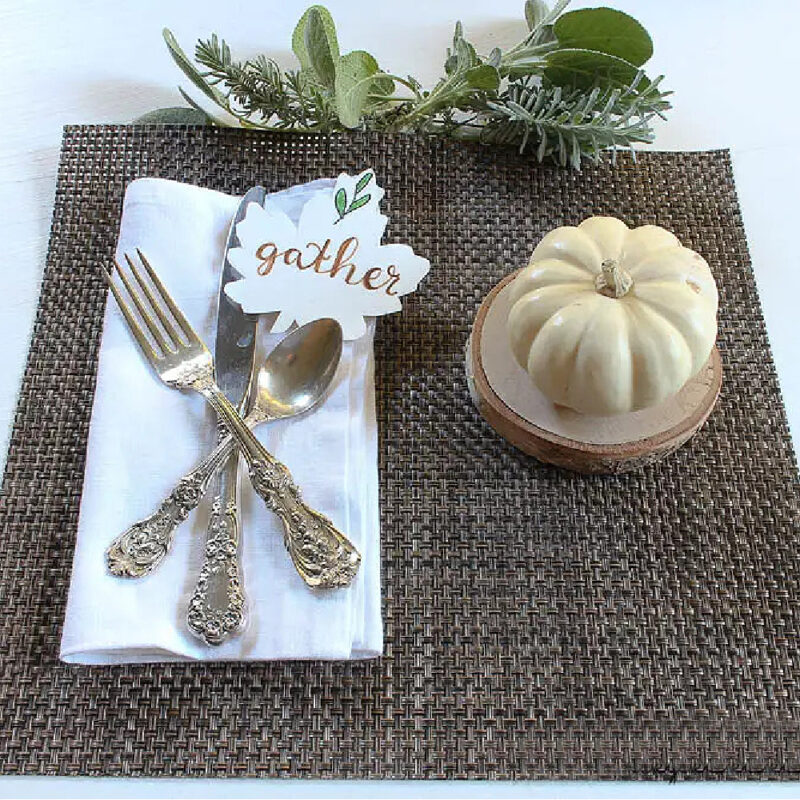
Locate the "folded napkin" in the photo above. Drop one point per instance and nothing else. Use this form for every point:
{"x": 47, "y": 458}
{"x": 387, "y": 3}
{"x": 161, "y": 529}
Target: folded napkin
{"x": 145, "y": 436}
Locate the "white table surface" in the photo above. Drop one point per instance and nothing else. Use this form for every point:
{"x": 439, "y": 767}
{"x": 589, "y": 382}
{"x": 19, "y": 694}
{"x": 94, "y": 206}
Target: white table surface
{"x": 733, "y": 65}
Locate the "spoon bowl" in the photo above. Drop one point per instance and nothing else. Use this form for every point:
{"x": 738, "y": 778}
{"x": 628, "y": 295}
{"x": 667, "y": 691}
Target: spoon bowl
{"x": 298, "y": 372}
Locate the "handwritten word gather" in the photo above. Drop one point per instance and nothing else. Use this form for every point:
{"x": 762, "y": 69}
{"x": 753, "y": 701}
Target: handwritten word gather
{"x": 316, "y": 256}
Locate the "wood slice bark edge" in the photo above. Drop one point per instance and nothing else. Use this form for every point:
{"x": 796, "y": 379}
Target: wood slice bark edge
{"x": 572, "y": 454}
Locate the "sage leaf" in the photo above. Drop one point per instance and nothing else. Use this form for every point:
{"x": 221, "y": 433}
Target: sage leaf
{"x": 453, "y": 60}
{"x": 319, "y": 49}
{"x": 535, "y": 12}
{"x": 188, "y": 69}
{"x": 363, "y": 181}
{"x": 605, "y": 30}
{"x": 356, "y": 204}
{"x": 211, "y": 119}
{"x": 321, "y": 42}
{"x": 174, "y": 115}
{"x": 484, "y": 77}
{"x": 466, "y": 57}
{"x": 340, "y": 201}
{"x": 584, "y": 69}
{"x": 382, "y": 85}
{"x": 354, "y": 81}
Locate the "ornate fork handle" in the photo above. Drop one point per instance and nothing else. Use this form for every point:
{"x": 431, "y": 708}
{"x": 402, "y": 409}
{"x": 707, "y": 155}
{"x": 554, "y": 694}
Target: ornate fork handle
{"x": 141, "y": 548}
{"x": 321, "y": 554}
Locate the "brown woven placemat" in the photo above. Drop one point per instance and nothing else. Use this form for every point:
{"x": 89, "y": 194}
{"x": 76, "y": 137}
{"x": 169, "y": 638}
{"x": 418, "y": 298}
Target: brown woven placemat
{"x": 538, "y": 623}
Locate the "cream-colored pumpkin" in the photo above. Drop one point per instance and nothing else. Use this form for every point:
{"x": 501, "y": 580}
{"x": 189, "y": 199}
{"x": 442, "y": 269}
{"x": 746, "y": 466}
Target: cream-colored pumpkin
{"x": 606, "y": 319}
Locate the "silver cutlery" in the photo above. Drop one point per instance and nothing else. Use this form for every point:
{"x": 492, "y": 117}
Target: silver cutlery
{"x": 321, "y": 554}
{"x": 294, "y": 377}
{"x": 216, "y": 608}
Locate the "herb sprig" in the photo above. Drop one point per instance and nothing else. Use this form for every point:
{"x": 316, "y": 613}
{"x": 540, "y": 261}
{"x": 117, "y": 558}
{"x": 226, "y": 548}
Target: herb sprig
{"x": 571, "y": 89}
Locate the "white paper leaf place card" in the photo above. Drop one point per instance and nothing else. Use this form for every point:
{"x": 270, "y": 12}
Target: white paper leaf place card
{"x": 330, "y": 264}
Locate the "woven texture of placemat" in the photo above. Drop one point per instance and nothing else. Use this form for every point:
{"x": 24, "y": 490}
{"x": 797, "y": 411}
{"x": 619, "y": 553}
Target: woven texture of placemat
{"x": 539, "y": 624}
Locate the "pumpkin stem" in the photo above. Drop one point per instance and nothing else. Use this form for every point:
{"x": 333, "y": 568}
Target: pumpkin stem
{"x": 613, "y": 281}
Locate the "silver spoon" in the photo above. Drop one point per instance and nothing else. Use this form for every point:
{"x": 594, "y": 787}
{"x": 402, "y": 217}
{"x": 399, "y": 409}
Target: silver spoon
{"x": 294, "y": 378}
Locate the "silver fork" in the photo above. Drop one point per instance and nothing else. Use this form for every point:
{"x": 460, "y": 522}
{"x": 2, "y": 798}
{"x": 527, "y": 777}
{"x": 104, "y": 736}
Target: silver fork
{"x": 322, "y": 555}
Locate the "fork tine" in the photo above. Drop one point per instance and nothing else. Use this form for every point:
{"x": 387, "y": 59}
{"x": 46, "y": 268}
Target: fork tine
{"x": 176, "y": 312}
{"x": 169, "y": 325}
{"x": 142, "y": 309}
{"x": 137, "y": 332}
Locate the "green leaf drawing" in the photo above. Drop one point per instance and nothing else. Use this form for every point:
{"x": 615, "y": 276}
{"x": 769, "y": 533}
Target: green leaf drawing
{"x": 340, "y": 201}
{"x": 356, "y": 204}
{"x": 363, "y": 181}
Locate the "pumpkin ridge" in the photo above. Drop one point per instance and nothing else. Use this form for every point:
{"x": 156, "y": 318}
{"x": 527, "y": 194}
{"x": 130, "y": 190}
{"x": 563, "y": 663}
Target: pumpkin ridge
{"x": 556, "y": 250}
{"x": 609, "y": 235}
{"x": 657, "y": 312}
{"x": 569, "y": 356}
{"x": 550, "y": 262}
{"x": 631, "y": 266}
{"x": 523, "y": 344}
{"x": 576, "y": 286}
{"x": 694, "y": 292}
{"x": 636, "y": 314}
{"x": 584, "y": 339}
{"x": 572, "y": 262}
{"x": 635, "y": 367}
{"x": 695, "y": 298}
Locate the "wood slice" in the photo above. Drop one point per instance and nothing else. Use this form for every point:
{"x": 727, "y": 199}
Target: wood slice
{"x": 508, "y": 400}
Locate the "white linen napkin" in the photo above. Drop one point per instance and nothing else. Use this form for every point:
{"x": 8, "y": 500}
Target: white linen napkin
{"x": 144, "y": 436}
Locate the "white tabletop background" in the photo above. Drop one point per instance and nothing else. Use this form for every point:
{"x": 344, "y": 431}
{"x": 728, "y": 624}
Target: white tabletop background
{"x": 733, "y": 65}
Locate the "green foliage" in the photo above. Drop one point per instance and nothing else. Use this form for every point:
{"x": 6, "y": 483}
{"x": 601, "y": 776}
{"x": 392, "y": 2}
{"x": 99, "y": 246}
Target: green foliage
{"x": 585, "y": 69}
{"x": 357, "y": 74}
{"x": 570, "y": 89}
{"x": 175, "y": 115}
{"x": 304, "y": 40}
{"x": 320, "y": 46}
{"x": 570, "y": 125}
{"x": 605, "y": 30}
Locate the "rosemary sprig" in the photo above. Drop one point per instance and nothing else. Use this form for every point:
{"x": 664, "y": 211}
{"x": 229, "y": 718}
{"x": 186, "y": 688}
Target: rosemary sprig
{"x": 571, "y": 89}
{"x": 570, "y": 126}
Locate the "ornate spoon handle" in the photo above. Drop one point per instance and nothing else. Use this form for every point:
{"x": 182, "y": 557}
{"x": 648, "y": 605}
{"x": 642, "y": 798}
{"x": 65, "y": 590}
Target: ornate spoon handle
{"x": 322, "y": 555}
